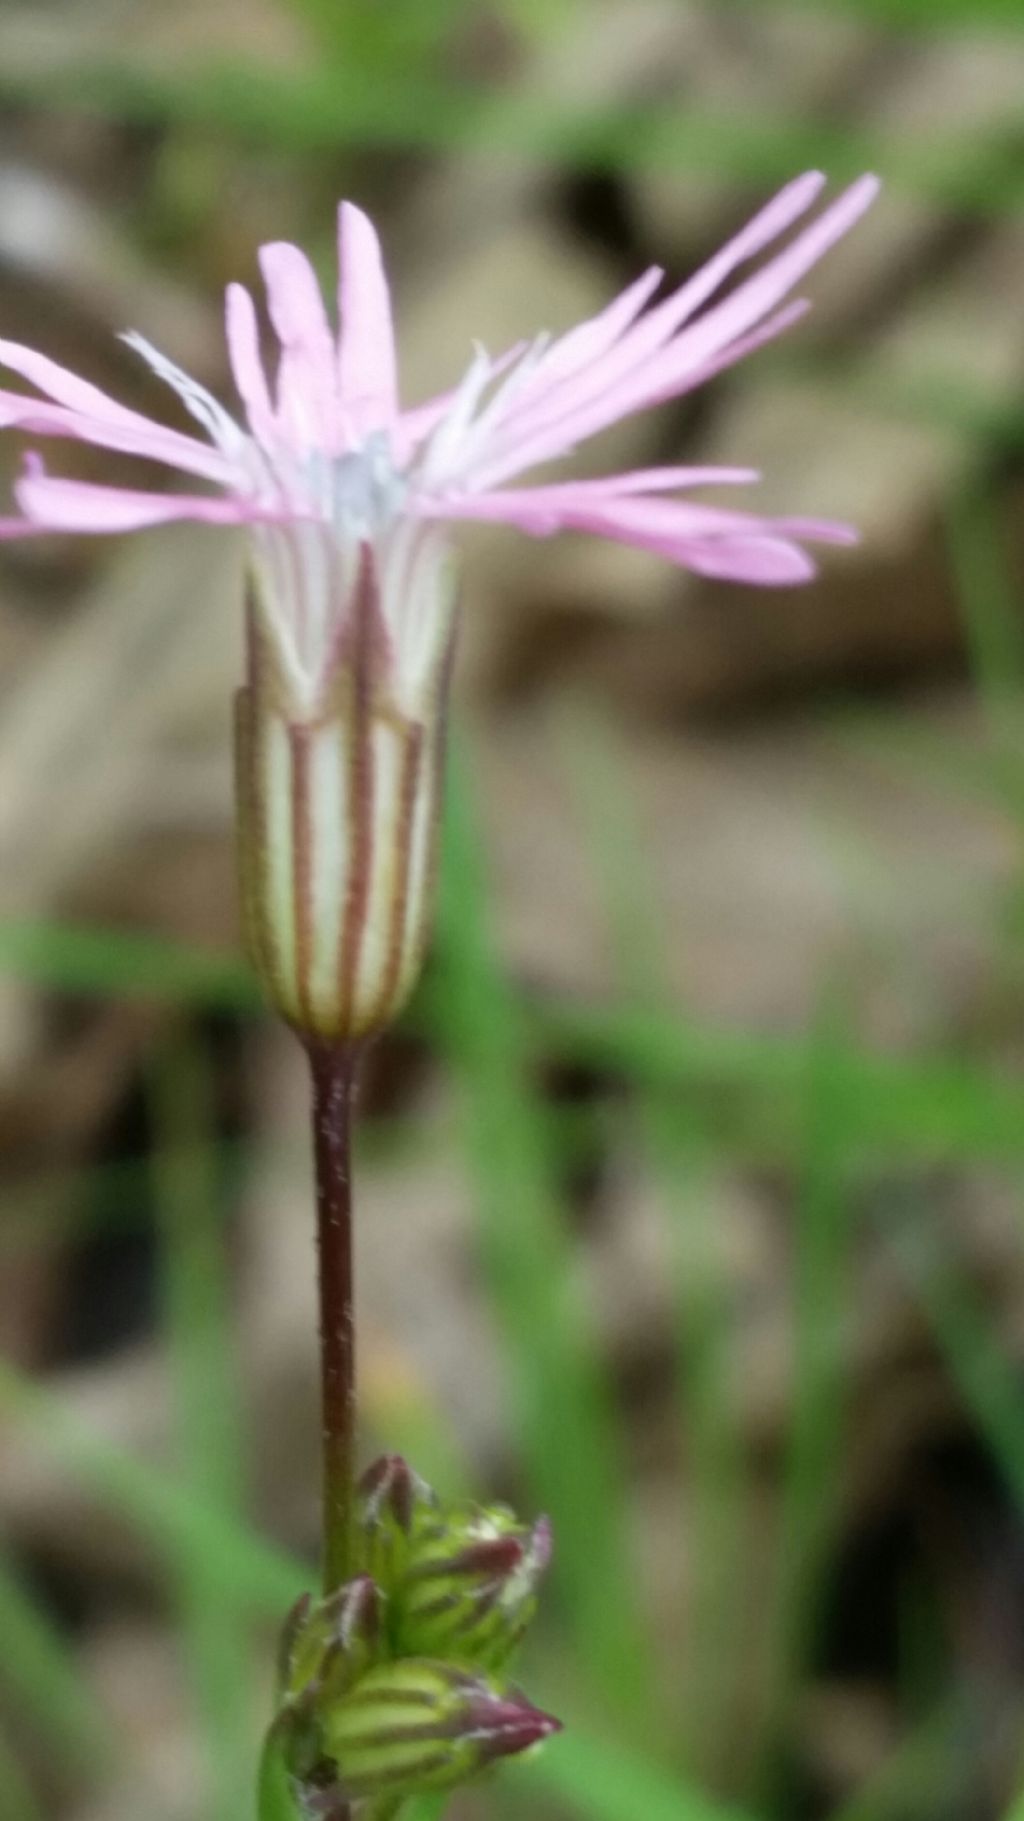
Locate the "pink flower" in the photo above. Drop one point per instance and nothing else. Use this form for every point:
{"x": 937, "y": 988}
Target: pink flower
{"x": 329, "y": 444}
{"x": 348, "y": 502}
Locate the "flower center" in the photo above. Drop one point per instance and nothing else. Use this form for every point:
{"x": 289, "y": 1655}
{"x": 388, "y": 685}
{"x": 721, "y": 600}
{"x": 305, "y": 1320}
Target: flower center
{"x": 360, "y": 493}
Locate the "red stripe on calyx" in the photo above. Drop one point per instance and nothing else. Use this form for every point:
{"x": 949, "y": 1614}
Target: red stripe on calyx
{"x": 299, "y": 737}
{"x": 361, "y": 656}
{"x": 409, "y": 784}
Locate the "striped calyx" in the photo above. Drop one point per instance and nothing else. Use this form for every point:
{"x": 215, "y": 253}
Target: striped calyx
{"x": 390, "y": 1686}
{"x": 418, "y": 1725}
{"x": 470, "y": 1586}
{"x": 329, "y": 1643}
{"x": 337, "y": 781}
{"x": 459, "y": 1580}
{"x": 326, "y": 1647}
{"x": 392, "y": 1505}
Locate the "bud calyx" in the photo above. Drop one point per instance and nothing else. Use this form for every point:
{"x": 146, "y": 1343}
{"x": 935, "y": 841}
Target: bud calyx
{"x": 422, "y": 1724}
{"x": 392, "y": 1684}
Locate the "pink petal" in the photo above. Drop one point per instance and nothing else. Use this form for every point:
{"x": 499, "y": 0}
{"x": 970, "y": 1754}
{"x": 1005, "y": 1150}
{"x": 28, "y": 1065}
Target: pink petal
{"x": 656, "y": 328}
{"x": 440, "y": 460}
{"x": 768, "y": 562}
{"x": 589, "y": 340}
{"x": 776, "y": 325}
{"x": 643, "y": 368}
{"x": 65, "y": 387}
{"x": 131, "y": 434}
{"x": 11, "y": 528}
{"x": 307, "y": 404}
{"x": 704, "y": 538}
{"x": 53, "y": 504}
{"x": 626, "y": 498}
{"x": 412, "y": 427}
{"x": 710, "y": 543}
{"x": 660, "y": 324}
{"x": 518, "y": 502}
{"x": 745, "y": 307}
{"x": 243, "y": 338}
{"x": 366, "y": 349}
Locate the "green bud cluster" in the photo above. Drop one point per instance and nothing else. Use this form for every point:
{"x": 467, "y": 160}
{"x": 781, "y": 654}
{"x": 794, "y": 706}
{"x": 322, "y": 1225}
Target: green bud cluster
{"x": 461, "y": 1579}
{"x": 394, "y": 1685}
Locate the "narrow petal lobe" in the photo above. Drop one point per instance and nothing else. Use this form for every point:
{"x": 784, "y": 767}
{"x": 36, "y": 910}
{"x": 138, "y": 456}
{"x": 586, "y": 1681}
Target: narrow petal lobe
{"x": 366, "y": 348}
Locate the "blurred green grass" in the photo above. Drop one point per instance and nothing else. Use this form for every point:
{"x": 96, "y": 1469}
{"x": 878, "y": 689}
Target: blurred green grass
{"x": 838, "y": 1097}
{"x": 338, "y": 108}
{"x": 820, "y": 1101}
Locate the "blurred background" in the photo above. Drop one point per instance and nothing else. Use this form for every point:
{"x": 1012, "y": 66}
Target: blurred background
{"x": 691, "y": 1198}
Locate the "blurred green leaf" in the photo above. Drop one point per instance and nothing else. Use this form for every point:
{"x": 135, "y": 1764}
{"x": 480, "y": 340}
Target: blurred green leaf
{"x": 598, "y": 1778}
{"x": 38, "y": 1666}
{"x": 985, "y": 1374}
{"x": 123, "y": 963}
{"x": 822, "y": 1289}
{"x": 713, "y": 1503}
{"x": 582, "y": 1767}
{"x": 925, "y": 1773}
{"x": 19, "y": 1801}
{"x": 381, "y": 41}
{"x": 561, "y": 1403}
{"x": 337, "y": 107}
{"x": 932, "y": 1105}
{"x": 169, "y": 1515}
{"x": 990, "y": 610}
{"x": 922, "y": 16}
{"x": 198, "y": 1328}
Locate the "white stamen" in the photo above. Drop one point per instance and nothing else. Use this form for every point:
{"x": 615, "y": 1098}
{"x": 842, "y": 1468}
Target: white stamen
{"x": 207, "y": 410}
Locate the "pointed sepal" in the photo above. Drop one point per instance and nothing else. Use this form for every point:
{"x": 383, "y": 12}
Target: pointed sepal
{"x": 392, "y": 1503}
{"x": 470, "y": 1586}
{"x": 329, "y": 1643}
{"x": 419, "y": 1724}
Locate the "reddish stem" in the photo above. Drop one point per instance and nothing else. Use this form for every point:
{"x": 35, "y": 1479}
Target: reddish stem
{"x": 333, "y": 1069}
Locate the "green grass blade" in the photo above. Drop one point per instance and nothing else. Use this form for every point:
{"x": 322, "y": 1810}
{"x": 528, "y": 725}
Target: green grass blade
{"x": 382, "y": 41}
{"x": 932, "y": 1105}
{"x": 674, "y": 1137}
{"x": 592, "y": 1774}
{"x": 820, "y": 1309}
{"x": 995, "y": 635}
{"x": 596, "y": 1778}
{"x": 334, "y": 107}
{"x": 120, "y": 963}
{"x": 929, "y": 1105}
{"x": 179, "y": 1525}
{"x": 924, "y": 16}
{"x": 18, "y": 1801}
{"x": 990, "y": 609}
{"x": 198, "y": 1327}
{"x": 560, "y": 1401}
{"x": 926, "y": 1773}
{"x": 424, "y": 1808}
{"x": 987, "y": 1379}
{"x": 38, "y": 1666}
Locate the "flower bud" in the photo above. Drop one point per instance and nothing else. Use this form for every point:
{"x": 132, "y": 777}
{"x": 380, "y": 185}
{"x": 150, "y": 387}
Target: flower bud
{"x": 338, "y": 767}
{"x": 470, "y": 1585}
{"x": 459, "y": 1579}
{"x": 392, "y": 1502}
{"x": 328, "y": 1644}
{"x": 418, "y": 1725}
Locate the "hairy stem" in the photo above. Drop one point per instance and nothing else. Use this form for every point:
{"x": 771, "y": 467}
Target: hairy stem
{"x": 333, "y": 1069}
